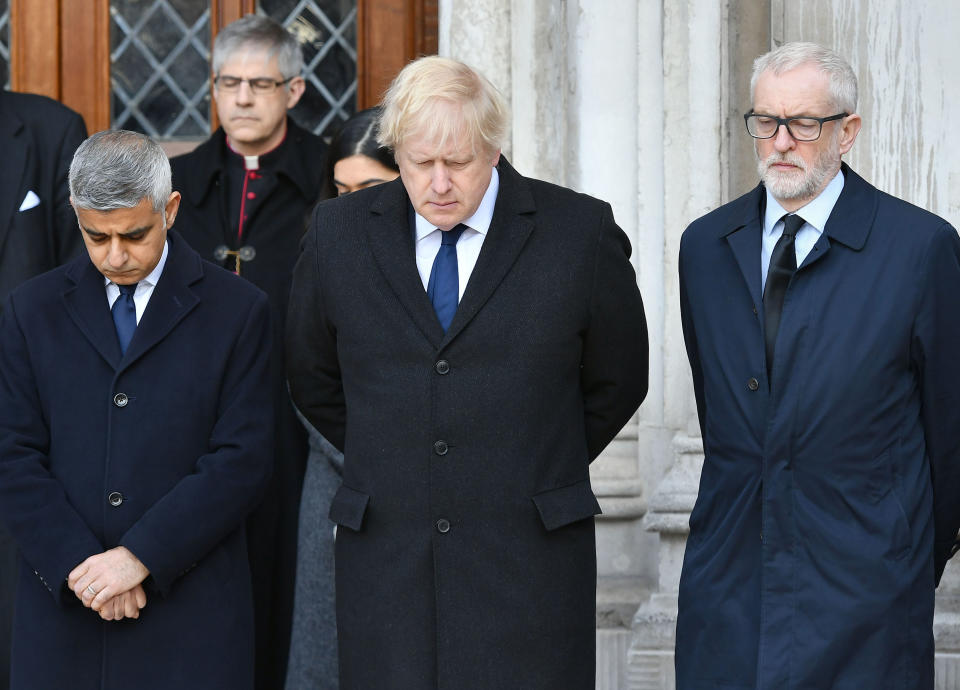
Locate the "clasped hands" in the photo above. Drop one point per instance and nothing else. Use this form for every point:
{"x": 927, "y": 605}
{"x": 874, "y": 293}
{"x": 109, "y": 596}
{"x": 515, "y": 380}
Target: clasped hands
{"x": 109, "y": 583}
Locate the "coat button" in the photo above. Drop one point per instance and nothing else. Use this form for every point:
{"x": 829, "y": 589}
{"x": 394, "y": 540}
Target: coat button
{"x": 121, "y": 400}
{"x": 442, "y": 367}
{"x": 753, "y": 384}
{"x": 115, "y": 498}
{"x": 440, "y": 447}
{"x": 443, "y": 526}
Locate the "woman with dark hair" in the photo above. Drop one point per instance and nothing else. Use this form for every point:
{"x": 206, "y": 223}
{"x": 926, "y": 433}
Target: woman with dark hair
{"x": 354, "y": 161}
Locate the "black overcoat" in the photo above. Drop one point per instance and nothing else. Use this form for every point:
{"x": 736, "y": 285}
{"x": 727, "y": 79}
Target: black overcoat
{"x": 38, "y": 231}
{"x": 828, "y": 502}
{"x": 275, "y": 230}
{"x": 164, "y": 450}
{"x": 465, "y": 551}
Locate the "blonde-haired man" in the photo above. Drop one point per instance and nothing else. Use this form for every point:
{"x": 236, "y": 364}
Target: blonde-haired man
{"x": 471, "y": 339}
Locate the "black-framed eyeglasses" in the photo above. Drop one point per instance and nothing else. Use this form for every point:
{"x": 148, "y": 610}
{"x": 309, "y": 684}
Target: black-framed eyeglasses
{"x": 258, "y": 85}
{"x": 761, "y": 126}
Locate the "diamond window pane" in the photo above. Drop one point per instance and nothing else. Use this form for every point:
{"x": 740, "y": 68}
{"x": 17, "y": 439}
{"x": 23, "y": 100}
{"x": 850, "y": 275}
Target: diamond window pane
{"x": 327, "y": 30}
{"x": 159, "y": 67}
{"x": 5, "y": 43}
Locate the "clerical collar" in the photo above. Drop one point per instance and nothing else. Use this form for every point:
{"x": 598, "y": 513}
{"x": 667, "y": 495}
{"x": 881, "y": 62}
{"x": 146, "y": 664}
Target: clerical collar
{"x": 261, "y": 160}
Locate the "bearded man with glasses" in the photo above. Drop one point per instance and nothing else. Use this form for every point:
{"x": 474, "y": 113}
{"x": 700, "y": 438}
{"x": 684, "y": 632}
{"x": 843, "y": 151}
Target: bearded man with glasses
{"x": 247, "y": 192}
{"x": 820, "y": 319}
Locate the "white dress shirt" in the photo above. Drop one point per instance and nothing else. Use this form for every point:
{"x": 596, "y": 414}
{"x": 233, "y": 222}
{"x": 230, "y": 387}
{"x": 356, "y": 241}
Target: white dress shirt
{"x": 428, "y": 238}
{"x": 815, "y": 213}
{"x": 144, "y": 287}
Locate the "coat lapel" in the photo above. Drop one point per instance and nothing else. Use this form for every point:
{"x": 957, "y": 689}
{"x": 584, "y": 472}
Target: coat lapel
{"x": 508, "y": 232}
{"x": 743, "y": 232}
{"x": 13, "y": 169}
{"x": 391, "y": 242}
{"x": 851, "y": 219}
{"x": 172, "y": 299}
{"x": 86, "y": 303}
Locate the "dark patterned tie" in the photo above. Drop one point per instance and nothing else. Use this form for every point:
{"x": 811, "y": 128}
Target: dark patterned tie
{"x": 783, "y": 264}
{"x": 443, "y": 289}
{"x": 124, "y": 313}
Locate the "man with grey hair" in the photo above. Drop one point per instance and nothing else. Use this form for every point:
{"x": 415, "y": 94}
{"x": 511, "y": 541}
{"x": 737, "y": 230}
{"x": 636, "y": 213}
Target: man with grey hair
{"x": 129, "y": 454}
{"x": 247, "y": 192}
{"x": 471, "y": 339}
{"x": 820, "y": 318}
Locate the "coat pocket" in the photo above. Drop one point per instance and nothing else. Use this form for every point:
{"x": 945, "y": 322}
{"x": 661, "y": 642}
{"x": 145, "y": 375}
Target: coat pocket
{"x": 568, "y": 504}
{"x": 348, "y": 507}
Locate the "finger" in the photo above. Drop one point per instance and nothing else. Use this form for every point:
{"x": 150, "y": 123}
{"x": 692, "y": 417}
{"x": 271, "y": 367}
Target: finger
{"x": 88, "y": 593}
{"x": 130, "y": 609}
{"x": 76, "y": 574}
{"x": 141, "y": 597}
{"x": 103, "y": 596}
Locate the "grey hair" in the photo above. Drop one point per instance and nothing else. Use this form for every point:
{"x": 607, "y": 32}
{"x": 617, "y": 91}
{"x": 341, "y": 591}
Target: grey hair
{"x": 116, "y": 168}
{"x": 260, "y": 33}
{"x": 789, "y": 56}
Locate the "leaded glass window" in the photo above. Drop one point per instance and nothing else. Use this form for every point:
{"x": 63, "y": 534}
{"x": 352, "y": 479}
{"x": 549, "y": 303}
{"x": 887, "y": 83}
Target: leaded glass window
{"x": 160, "y": 63}
{"x": 159, "y": 67}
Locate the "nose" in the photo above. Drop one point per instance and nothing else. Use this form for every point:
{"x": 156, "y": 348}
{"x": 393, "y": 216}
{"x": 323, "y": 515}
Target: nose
{"x": 117, "y": 255}
{"x": 440, "y": 179}
{"x": 782, "y": 141}
{"x": 244, "y": 93}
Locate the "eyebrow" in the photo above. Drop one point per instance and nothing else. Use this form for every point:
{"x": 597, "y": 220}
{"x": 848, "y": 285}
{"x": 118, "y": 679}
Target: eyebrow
{"x": 130, "y": 233}
{"x": 359, "y": 184}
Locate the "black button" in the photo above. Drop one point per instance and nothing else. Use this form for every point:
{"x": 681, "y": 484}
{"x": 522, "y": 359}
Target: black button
{"x": 753, "y": 384}
{"x": 754, "y": 309}
{"x": 440, "y": 447}
{"x": 115, "y": 498}
{"x": 121, "y": 400}
{"x": 442, "y": 367}
{"x": 443, "y": 526}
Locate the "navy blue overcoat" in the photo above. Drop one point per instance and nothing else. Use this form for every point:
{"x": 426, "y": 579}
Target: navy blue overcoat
{"x": 164, "y": 450}
{"x": 828, "y": 502}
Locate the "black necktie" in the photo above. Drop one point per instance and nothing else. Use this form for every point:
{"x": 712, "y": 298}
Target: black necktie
{"x": 783, "y": 264}
{"x": 124, "y": 313}
{"x": 443, "y": 288}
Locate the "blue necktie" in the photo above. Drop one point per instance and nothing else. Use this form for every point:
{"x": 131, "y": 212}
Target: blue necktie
{"x": 124, "y": 313}
{"x": 444, "y": 286}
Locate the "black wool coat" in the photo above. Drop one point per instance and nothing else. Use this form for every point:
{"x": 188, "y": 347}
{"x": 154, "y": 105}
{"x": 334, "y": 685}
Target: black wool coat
{"x": 164, "y": 450}
{"x": 275, "y": 230}
{"x": 465, "y": 550}
{"x": 38, "y": 231}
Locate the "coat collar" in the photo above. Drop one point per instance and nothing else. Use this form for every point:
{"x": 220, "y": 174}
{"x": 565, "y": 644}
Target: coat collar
{"x": 209, "y": 161}
{"x": 391, "y": 241}
{"x": 172, "y": 299}
{"x": 849, "y": 222}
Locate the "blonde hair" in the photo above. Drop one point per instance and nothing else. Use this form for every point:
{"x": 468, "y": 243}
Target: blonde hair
{"x": 420, "y": 98}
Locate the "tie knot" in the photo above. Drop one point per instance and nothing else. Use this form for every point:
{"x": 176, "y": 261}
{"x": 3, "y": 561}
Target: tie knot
{"x": 128, "y": 290}
{"x": 451, "y": 236}
{"x": 792, "y": 223}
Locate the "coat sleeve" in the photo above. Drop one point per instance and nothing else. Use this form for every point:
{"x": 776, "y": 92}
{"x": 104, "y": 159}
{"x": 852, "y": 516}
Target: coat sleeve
{"x": 613, "y": 370}
{"x": 936, "y": 356}
{"x": 68, "y": 240}
{"x": 313, "y": 367}
{"x": 203, "y": 508}
{"x": 690, "y": 340}
{"x": 51, "y": 534}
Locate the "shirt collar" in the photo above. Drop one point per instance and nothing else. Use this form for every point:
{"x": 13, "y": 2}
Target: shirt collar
{"x": 479, "y": 221}
{"x": 815, "y": 212}
{"x": 154, "y": 276}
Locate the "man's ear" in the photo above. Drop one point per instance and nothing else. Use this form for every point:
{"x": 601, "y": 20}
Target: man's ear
{"x": 173, "y": 205}
{"x": 848, "y": 132}
{"x": 295, "y": 90}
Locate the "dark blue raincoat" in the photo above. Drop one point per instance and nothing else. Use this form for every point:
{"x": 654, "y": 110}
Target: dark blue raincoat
{"x": 830, "y": 495}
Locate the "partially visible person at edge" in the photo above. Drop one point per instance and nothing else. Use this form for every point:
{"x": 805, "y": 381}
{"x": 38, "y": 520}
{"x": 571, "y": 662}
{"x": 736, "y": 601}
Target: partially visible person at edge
{"x": 472, "y": 339}
{"x": 355, "y": 160}
{"x": 247, "y": 192}
{"x": 135, "y": 438}
{"x": 38, "y": 231}
{"x": 821, "y": 323}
